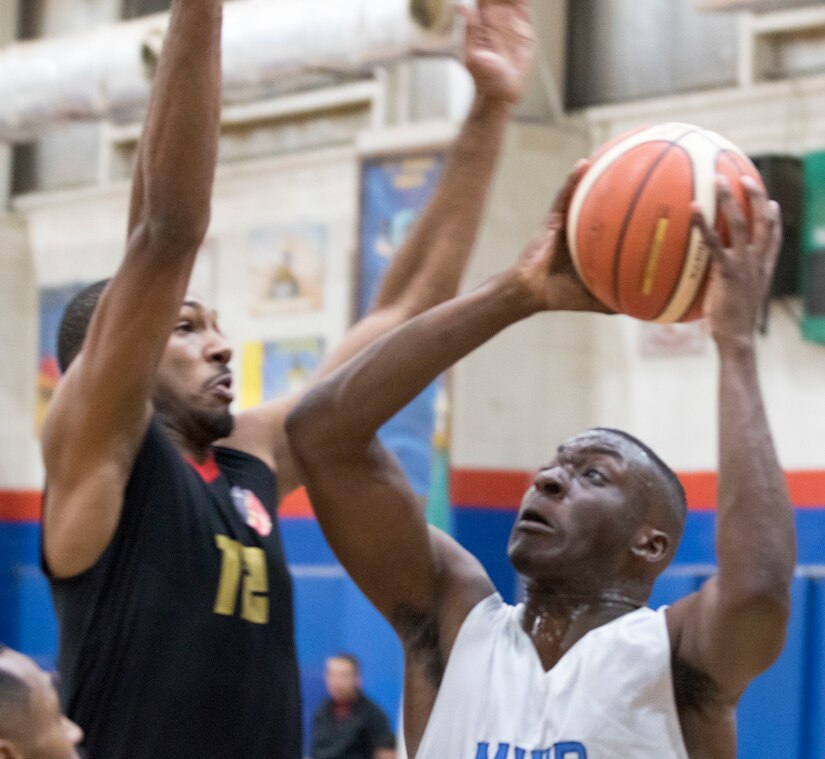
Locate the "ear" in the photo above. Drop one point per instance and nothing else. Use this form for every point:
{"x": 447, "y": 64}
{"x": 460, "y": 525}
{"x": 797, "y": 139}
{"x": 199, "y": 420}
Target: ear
{"x": 650, "y": 544}
{"x": 8, "y": 751}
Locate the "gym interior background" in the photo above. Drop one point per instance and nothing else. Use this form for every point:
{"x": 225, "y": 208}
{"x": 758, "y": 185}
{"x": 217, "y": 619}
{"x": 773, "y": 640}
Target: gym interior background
{"x": 305, "y": 144}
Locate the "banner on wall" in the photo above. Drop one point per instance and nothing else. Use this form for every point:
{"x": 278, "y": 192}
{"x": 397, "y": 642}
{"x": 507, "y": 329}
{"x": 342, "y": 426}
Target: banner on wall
{"x": 53, "y": 302}
{"x": 394, "y": 190}
{"x": 286, "y": 269}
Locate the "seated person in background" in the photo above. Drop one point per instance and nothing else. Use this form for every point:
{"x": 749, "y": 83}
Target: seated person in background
{"x": 348, "y": 725}
{"x": 31, "y": 723}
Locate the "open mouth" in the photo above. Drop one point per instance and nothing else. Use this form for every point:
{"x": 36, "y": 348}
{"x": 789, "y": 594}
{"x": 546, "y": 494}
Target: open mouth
{"x": 531, "y": 519}
{"x": 225, "y": 381}
{"x": 222, "y": 386}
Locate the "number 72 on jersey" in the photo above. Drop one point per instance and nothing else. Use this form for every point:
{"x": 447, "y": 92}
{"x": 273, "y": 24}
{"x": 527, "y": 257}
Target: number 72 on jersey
{"x": 243, "y": 572}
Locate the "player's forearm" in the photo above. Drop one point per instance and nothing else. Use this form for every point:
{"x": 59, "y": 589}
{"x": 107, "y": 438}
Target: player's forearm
{"x": 178, "y": 151}
{"x": 428, "y": 267}
{"x": 756, "y": 542}
{"x": 343, "y": 413}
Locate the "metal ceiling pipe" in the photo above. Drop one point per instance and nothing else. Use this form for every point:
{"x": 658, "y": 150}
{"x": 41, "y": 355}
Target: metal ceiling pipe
{"x": 268, "y": 46}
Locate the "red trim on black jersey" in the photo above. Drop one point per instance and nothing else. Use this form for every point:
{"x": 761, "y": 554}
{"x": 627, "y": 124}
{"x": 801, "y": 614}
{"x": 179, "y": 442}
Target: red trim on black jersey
{"x": 208, "y": 470}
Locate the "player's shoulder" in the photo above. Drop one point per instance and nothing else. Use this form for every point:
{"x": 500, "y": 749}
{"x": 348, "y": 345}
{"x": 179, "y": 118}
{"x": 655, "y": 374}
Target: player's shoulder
{"x": 463, "y": 581}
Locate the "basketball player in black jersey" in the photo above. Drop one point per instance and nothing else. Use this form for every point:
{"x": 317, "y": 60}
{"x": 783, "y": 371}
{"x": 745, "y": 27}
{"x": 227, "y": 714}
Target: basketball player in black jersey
{"x": 173, "y": 597}
{"x": 601, "y": 521}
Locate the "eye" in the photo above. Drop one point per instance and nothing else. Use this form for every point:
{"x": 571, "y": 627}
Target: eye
{"x": 184, "y": 326}
{"x": 596, "y": 477}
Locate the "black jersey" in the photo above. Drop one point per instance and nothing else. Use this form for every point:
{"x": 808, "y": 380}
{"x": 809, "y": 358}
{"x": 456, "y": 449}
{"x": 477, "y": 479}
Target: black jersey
{"x": 179, "y": 641}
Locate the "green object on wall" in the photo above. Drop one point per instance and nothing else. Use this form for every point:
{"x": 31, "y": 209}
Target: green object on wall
{"x": 439, "y": 511}
{"x": 813, "y": 249}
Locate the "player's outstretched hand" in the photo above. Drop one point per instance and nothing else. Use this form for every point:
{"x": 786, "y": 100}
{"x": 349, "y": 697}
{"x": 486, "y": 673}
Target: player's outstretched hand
{"x": 545, "y": 268}
{"x": 740, "y": 273}
{"x": 499, "y": 48}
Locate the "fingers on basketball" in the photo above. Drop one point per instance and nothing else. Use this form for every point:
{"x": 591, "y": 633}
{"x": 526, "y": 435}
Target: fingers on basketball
{"x": 736, "y": 222}
{"x": 775, "y": 214}
{"x": 767, "y": 226}
{"x": 557, "y": 214}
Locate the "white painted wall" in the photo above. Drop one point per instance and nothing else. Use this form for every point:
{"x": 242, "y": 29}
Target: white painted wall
{"x": 19, "y": 458}
{"x": 79, "y": 237}
{"x": 533, "y": 386}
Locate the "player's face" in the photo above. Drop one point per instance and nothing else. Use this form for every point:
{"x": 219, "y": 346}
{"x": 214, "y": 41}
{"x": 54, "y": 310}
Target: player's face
{"x": 578, "y": 520}
{"x": 342, "y": 680}
{"x": 47, "y": 733}
{"x": 193, "y": 388}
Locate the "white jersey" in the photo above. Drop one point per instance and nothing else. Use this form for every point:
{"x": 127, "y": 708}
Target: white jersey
{"x": 609, "y": 697}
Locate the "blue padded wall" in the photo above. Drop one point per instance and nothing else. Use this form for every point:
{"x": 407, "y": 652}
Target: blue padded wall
{"x": 26, "y": 618}
{"x": 782, "y": 713}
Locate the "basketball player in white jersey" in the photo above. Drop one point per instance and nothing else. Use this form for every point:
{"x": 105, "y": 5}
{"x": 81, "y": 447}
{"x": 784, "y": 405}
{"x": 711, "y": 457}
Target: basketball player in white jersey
{"x": 582, "y": 669}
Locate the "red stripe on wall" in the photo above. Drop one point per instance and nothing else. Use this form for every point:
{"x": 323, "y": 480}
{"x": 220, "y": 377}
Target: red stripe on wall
{"x": 296, "y": 505}
{"x": 19, "y": 506}
{"x": 700, "y": 489}
{"x": 807, "y": 488}
{"x": 503, "y": 489}
{"x": 480, "y": 489}
{"x": 488, "y": 488}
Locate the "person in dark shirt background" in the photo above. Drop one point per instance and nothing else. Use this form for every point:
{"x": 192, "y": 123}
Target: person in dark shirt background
{"x": 348, "y": 725}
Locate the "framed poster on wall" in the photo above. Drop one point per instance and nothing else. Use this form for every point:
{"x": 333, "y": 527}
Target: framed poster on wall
{"x": 286, "y": 269}
{"x": 277, "y": 368}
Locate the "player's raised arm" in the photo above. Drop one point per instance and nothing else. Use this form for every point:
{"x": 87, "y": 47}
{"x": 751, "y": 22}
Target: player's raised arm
{"x": 734, "y": 627}
{"x": 101, "y": 407}
{"x": 427, "y": 269}
{"x": 370, "y": 516}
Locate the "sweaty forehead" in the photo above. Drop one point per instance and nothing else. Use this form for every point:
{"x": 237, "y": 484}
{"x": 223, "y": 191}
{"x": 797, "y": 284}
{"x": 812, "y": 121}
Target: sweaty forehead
{"x": 607, "y": 443}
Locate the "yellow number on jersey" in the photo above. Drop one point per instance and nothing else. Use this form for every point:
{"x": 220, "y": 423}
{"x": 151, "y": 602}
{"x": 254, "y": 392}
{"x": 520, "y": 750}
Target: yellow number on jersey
{"x": 238, "y": 560}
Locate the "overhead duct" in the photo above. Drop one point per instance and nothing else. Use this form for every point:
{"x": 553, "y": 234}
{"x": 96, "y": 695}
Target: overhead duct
{"x": 268, "y": 46}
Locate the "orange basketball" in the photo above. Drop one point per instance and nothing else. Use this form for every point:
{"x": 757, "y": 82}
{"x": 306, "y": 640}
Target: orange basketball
{"x": 629, "y": 227}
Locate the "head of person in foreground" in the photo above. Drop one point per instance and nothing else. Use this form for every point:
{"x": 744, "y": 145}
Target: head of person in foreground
{"x": 32, "y": 725}
{"x": 604, "y": 516}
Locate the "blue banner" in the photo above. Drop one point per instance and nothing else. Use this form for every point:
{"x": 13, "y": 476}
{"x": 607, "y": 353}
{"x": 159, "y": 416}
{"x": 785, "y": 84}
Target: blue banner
{"x": 394, "y": 190}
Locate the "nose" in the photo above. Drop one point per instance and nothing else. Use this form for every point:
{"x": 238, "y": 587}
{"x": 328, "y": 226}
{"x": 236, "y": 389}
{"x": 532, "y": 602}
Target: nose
{"x": 218, "y": 348}
{"x": 551, "y": 481}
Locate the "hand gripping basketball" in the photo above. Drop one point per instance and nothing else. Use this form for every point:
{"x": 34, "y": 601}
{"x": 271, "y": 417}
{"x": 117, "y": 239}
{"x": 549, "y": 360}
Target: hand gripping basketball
{"x": 631, "y": 230}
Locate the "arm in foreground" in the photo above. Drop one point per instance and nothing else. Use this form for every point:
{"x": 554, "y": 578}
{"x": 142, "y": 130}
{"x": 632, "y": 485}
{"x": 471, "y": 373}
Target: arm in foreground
{"x": 734, "y": 627}
{"x": 101, "y": 407}
{"x": 369, "y": 514}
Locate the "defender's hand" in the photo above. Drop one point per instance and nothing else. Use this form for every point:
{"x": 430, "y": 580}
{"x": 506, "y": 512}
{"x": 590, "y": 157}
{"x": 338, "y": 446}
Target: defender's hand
{"x": 545, "y": 269}
{"x": 499, "y": 48}
{"x": 741, "y": 273}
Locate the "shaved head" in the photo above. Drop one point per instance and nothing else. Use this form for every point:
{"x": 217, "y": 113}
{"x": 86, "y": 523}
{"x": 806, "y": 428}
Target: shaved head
{"x": 14, "y": 694}
{"x": 31, "y": 723}
{"x": 672, "y": 503}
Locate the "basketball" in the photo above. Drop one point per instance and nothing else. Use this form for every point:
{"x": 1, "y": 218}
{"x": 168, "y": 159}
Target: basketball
{"x": 629, "y": 225}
